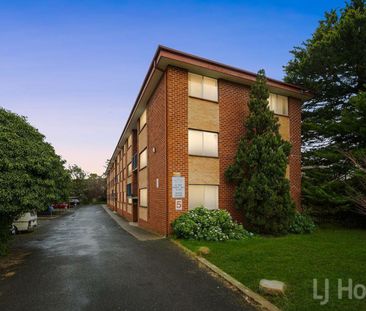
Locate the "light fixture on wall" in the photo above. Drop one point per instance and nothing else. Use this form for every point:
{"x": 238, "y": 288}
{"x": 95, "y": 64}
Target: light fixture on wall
{"x": 153, "y": 149}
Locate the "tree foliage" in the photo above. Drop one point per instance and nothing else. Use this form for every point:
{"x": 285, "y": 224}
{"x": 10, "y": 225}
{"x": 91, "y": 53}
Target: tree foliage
{"x": 332, "y": 64}
{"x": 87, "y": 187}
{"x": 32, "y": 175}
{"x": 262, "y": 190}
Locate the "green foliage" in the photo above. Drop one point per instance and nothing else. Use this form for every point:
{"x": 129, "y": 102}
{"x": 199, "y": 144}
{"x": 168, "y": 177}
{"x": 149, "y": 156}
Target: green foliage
{"x": 88, "y": 188}
{"x": 32, "y": 174}
{"x": 262, "y": 190}
{"x": 332, "y": 65}
{"x": 302, "y": 223}
{"x": 210, "y": 225}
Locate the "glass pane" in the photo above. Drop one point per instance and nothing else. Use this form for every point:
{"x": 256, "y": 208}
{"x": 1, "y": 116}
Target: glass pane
{"x": 210, "y": 89}
{"x": 195, "y": 196}
{"x": 194, "y": 85}
{"x": 143, "y": 159}
{"x": 195, "y": 144}
{"x": 282, "y": 104}
{"x": 272, "y": 102}
{"x": 143, "y": 197}
{"x": 129, "y": 140}
{"x": 143, "y": 119}
{"x": 211, "y": 197}
{"x": 129, "y": 169}
{"x": 210, "y": 144}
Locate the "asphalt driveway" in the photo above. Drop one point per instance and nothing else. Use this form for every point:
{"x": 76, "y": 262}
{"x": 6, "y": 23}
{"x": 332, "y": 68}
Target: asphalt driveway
{"x": 85, "y": 261}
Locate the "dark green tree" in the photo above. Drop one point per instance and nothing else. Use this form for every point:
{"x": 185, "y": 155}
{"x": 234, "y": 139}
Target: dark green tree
{"x": 32, "y": 175}
{"x": 78, "y": 182}
{"x": 262, "y": 190}
{"x": 332, "y": 64}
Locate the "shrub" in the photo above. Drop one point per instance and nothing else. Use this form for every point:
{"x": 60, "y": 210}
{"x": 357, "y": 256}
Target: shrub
{"x": 302, "y": 223}
{"x": 210, "y": 225}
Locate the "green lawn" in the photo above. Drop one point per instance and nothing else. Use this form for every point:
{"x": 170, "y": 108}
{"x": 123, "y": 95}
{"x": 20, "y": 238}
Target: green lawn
{"x": 331, "y": 253}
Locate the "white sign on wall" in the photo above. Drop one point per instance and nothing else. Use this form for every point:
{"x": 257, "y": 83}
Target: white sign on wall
{"x": 178, "y": 205}
{"x": 178, "y": 187}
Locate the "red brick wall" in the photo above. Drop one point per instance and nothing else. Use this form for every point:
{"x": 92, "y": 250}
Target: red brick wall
{"x": 295, "y": 156}
{"x": 177, "y": 136}
{"x": 233, "y": 109}
{"x": 157, "y": 162}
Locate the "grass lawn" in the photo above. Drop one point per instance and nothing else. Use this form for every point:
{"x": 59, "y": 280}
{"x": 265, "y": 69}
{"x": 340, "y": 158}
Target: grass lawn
{"x": 331, "y": 253}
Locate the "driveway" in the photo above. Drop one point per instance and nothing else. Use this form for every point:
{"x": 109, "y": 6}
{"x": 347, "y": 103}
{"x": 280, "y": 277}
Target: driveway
{"x": 85, "y": 261}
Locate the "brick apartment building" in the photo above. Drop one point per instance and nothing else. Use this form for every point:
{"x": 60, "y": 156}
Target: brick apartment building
{"x": 182, "y": 134}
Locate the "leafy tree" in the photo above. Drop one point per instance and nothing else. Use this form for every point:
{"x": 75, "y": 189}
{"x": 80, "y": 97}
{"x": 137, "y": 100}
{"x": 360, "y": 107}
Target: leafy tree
{"x": 32, "y": 175}
{"x": 78, "y": 182}
{"x": 87, "y": 187}
{"x": 262, "y": 190}
{"x": 332, "y": 64}
{"x": 96, "y": 188}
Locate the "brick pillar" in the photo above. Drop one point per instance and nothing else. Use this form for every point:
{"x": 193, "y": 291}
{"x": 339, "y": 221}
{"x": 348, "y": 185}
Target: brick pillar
{"x": 233, "y": 107}
{"x": 295, "y": 156}
{"x": 177, "y": 135}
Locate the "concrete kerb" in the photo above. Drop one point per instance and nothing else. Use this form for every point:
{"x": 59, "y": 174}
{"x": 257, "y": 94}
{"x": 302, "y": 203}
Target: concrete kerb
{"x": 256, "y": 299}
{"x": 137, "y": 232}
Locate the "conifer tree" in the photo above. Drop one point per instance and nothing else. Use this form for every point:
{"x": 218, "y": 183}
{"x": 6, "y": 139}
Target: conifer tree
{"x": 262, "y": 190}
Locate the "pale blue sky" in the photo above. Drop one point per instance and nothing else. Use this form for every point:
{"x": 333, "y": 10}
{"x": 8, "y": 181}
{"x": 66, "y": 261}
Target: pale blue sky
{"x": 74, "y": 68}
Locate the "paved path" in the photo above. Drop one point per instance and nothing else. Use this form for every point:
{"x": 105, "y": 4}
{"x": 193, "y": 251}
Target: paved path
{"x": 85, "y": 261}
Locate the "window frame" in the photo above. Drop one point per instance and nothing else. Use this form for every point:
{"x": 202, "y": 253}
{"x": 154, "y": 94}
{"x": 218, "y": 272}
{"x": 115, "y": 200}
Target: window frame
{"x": 147, "y": 201}
{"x": 204, "y": 185}
{"x": 142, "y": 167}
{"x": 202, "y": 87}
{"x": 129, "y": 171}
{"x": 145, "y": 118}
{"x": 203, "y": 144}
{"x": 271, "y": 105}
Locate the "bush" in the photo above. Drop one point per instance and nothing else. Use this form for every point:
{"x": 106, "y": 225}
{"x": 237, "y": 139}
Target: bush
{"x": 302, "y": 223}
{"x": 209, "y": 225}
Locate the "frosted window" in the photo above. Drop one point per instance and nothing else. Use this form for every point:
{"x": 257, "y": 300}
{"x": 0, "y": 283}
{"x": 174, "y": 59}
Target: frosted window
{"x": 143, "y": 119}
{"x": 196, "y": 196}
{"x": 143, "y": 159}
{"x": 210, "y": 89}
{"x": 129, "y": 142}
{"x": 210, "y": 144}
{"x": 278, "y": 104}
{"x": 195, "y": 144}
{"x": 202, "y": 87}
{"x": 203, "y": 195}
{"x": 195, "y": 85}
{"x": 202, "y": 143}
{"x": 143, "y": 197}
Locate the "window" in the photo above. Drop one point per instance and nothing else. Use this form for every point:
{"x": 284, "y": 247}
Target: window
{"x": 129, "y": 141}
{"x": 129, "y": 190}
{"x": 202, "y": 143}
{"x": 143, "y": 197}
{"x": 206, "y": 195}
{"x": 129, "y": 169}
{"x": 143, "y": 159}
{"x": 202, "y": 87}
{"x": 278, "y": 104}
{"x": 143, "y": 120}
{"x": 134, "y": 162}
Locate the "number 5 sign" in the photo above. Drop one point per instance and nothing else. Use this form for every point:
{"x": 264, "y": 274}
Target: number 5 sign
{"x": 178, "y": 205}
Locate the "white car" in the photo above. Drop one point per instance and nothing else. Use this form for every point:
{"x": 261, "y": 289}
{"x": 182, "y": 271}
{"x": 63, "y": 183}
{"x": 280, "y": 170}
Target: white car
{"x": 26, "y": 222}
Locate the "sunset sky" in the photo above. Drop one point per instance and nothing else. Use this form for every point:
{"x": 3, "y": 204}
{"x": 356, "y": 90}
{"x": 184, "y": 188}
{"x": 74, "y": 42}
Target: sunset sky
{"x": 74, "y": 68}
